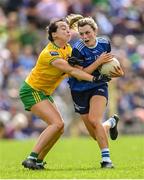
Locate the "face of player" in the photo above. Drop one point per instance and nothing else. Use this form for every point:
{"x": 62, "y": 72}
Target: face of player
{"x": 88, "y": 35}
{"x": 63, "y": 32}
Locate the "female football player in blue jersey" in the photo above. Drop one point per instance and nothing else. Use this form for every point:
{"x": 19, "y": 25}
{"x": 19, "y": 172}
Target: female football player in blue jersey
{"x": 89, "y": 99}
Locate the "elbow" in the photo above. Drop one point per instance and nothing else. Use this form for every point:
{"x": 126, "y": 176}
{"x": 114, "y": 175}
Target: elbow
{"x": 70, "y": 72}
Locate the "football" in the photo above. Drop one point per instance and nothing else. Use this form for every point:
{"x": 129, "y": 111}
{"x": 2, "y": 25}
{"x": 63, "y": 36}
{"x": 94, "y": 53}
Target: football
{"x": 109, "y": 67}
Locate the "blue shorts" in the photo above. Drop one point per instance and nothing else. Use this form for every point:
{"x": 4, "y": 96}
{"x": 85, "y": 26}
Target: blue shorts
{"x": 81, "y": 99}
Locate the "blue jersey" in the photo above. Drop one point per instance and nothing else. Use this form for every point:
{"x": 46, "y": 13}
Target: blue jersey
{"x": 88, "y": 55}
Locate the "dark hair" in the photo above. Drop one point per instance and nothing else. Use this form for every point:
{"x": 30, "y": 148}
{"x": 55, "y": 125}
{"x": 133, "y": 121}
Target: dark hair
{"x": 53, "y": 28}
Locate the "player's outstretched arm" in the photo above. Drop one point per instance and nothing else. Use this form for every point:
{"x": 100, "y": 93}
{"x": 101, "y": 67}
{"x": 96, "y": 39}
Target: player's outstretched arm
{"x": 75, "y": 72}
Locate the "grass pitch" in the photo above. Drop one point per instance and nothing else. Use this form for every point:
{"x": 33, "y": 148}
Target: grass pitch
{"x": 75, "y": 158}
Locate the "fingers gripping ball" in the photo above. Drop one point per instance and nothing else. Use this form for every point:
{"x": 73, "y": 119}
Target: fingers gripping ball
{"x": 109, "y": 67}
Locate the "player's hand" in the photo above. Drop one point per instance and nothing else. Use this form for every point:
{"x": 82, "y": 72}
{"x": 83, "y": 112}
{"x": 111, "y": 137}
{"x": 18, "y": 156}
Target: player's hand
{"x": 102, "y": 77}
{"x": 75, "y": 61}
{"x": 117, "y": 73}
{"x": 104, "y": 58}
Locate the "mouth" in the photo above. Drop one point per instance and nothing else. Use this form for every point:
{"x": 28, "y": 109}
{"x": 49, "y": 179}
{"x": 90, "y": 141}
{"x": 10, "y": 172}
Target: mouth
{"x": 86, "y": 41}
{"x": 69, "y": 34}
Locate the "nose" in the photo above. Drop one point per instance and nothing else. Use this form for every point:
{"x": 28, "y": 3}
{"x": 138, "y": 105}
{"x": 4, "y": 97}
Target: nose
{"x": 85, "y": 36}
{"x": 68, "y": 31}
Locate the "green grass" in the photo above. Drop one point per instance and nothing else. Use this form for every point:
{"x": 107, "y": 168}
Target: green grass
{"x": 75, "y": 158}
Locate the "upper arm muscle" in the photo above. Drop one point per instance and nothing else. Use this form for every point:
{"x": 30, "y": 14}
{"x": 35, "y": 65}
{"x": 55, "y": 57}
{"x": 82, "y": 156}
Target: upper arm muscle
{"x": 62, "y": 65}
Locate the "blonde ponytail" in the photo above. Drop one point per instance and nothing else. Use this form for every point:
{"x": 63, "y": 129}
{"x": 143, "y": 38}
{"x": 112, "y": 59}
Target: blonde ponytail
{"x": 73, "y": 19}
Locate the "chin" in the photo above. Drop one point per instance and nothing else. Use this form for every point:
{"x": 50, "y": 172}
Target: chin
{"x": 69, "y": 38}
{"x": 88, "y": 44}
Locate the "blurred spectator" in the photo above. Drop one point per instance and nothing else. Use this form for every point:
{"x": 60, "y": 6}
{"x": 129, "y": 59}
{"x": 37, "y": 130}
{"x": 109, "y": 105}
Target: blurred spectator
{"x": 27, "y": 60}
{"x": 49, "y": 9}
{"x": 13, "y": 5}
{"x": 30, "y": 36}
{"x": 102, "y": 19}
{"x": 2, "y": 130}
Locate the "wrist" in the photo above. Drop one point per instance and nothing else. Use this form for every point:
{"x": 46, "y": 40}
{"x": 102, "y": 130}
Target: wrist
{"x": 94, "y": 79}
{"x": 97, "y": 62}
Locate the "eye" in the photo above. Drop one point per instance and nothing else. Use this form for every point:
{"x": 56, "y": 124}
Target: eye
{"x": 87, "y": 32}
{"x": 81, "y": 34}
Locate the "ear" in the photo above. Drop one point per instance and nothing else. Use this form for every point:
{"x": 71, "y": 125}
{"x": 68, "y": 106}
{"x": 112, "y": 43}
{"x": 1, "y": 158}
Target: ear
{"x": 96, "y": 32}
{"x": 54, "y": 35}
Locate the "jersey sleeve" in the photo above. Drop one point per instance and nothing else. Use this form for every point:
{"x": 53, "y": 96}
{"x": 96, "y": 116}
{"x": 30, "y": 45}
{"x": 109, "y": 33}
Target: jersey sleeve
{"x": 105, "y": 44}
{"x": 77, "y": 53}
{"x": 108, "y": 47}
{"x": 48, "y": 55}
{"x": 53, "y": 55}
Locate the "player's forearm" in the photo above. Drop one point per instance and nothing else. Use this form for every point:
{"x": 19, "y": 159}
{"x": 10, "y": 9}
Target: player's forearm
{"x": 103, "y": 58}
{"x": 91, "y": 68}
{"x": 77, "y": 73}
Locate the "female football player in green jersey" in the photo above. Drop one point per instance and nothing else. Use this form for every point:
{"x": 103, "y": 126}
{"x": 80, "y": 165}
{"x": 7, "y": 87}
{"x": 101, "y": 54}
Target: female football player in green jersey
{"x": 44, "y": 78}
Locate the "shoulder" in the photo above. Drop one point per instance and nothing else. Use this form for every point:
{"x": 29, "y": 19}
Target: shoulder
{"x": 103, "y": 40}
{"x": 49, "y": 53}
{"x": 51, "y": 50}
{"x": 68, "y": 46}
{"x": 79, "y": 45}
{"x": 52, "y": 47}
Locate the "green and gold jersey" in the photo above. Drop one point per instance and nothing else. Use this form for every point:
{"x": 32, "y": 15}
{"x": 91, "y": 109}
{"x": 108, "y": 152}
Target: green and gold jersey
{"x": 45, "y": 77}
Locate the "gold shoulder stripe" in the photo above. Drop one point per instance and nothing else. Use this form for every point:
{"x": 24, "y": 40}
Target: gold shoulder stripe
{"x": 55, "y": 47}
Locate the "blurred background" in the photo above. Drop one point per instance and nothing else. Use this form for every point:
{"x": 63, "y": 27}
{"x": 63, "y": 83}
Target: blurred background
{"x": 23, "y": 36}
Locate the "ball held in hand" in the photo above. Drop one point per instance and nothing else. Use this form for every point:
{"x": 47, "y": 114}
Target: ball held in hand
{"x": 109, "y": 67}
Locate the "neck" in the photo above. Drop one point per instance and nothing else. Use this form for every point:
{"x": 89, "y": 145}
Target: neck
{"x": 93, "y": 45}
{"x": 59, "y": 44}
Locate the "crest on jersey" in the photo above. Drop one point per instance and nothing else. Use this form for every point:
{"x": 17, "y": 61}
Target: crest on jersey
{"x": 54, "y": 53}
